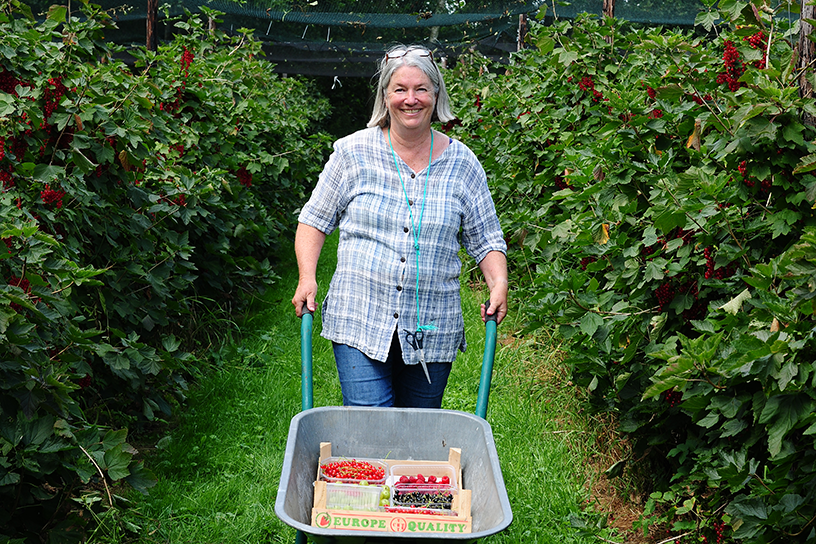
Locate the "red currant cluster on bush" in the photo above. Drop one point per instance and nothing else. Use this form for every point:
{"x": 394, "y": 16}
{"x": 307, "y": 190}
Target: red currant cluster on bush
{"x": 709, "y": 263}
{"x": 175, "y": 104}
{"x": 23, "y": 284}
{"x": 758, "y": 41}
{"x": 8, "y": 181}
{"x": 9, "y": 82}
{"x": 686, "y": 235}
{"x": 689, "y": 287}
{"x": 719, "y": 528}
{"x": 187, "y": 58}
{"x": 651, "y": 92}
{"x": 698, "y": 308}
{"x": 587, "y": 85}
{"x": 586, "y": 260}
{"x": 560, "y": 184}
{"x": 701, "y": 101}
{"x": 244, "y": 176}
{"x": 734, "y": 67}
{"x": 52, "y": 196}
{"x": 665, "y": 294}
{"x": 54, "y": 92}
{"x": 719, "y": 273}
{"x": 447, "y": 127}
{"x": 673, "y": 398}
{"x": 656, "y": 114}
{"x": 743, "y": 171}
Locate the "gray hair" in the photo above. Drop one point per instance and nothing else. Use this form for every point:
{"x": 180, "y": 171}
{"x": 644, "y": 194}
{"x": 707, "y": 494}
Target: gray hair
{"x": 418, "y": 57}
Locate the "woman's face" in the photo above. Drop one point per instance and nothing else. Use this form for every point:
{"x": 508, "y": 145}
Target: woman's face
{"x": 410, "y": 98}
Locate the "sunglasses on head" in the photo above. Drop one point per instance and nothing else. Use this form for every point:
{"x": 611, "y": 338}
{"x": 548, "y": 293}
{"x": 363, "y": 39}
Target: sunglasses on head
{"x": 416, "y": 50}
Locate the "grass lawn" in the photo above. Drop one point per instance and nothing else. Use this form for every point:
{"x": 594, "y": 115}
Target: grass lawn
{"x": 219, "y": 466}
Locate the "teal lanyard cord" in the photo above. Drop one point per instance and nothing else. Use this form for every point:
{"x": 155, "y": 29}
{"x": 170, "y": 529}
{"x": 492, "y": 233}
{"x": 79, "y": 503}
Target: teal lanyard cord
{"x": 415, "y": 228}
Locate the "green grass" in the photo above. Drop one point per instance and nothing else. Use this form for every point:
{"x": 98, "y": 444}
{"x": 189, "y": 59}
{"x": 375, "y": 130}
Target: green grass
{"x": 218, "y": 468}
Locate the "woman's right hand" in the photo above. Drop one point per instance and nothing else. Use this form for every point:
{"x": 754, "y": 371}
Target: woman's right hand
{"x": 305, "y": 293}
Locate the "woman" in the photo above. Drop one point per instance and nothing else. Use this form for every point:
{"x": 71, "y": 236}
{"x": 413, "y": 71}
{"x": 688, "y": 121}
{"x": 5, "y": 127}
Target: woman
{"x": 403, "y": 196}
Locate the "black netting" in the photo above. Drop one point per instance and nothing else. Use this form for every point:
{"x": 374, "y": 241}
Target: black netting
{"x": 346, "y": 37}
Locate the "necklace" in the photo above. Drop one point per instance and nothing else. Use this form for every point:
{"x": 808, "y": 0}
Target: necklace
{"x": 416, "y": 228}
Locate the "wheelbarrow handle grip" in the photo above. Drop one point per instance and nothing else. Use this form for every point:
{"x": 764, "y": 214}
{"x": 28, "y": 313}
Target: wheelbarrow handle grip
{"x": 487, "y": 362}
{"x": 306, "y": 391}
{"x": 494, "y": 317}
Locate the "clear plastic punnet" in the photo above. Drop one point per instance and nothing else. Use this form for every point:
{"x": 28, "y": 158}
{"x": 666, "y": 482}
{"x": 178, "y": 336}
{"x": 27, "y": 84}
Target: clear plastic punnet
{"x": 435, "y": 475}
{"x": 345, "y": 470}
{"x": 353, "y": 497}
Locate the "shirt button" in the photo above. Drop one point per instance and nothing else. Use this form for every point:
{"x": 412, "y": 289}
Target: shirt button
{"x": 402, "y": 259}
{"x": 396, "y": 315}
{"x": 410, "y": 202}
{"x": 399, "y": 287}
{"x": 405, "y": 229}
{"x": 413, "y": 176}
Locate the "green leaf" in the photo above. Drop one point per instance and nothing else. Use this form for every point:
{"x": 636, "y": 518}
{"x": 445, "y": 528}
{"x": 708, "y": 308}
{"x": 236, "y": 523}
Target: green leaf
{"x": 709, "y": 420}
{"x": 590, "y": 322}
{"x": 82, "y": 161}
{"x": 670, "y": 220}
{"x": 7, "y": 107}
{"x": 140, "y": 478}
{"x": 35, "y": 431}
{"x": 545, "y": 44}
{"x": 806, "y": 164}
{"x": 566, "y": 57}
{"x": 784, "y": 411}
{"x": 48, "y": 173}
{"x": 57, "y": 13}
{"x": 170, "y": 343}
{"x": 661, "y": 386}
{"x": 117, "y": 462}
{"x": 114, "y": 438}
{"x": 706, "y": 19}
{"x": 735, "y": 304}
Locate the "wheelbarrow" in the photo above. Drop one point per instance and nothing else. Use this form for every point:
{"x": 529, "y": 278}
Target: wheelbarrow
{"x": 402, "y": 433}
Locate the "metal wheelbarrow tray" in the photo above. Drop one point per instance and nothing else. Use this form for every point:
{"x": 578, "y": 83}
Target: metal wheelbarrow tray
{"x": 393, "y": 433}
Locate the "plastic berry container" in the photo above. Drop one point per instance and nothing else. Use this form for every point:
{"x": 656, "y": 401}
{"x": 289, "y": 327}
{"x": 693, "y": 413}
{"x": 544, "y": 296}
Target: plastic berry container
{"x": 353, "y": 497}
{"x": 346, "y": 470}
{"x": 436, "y": 476}
{"x": 427, "y": 497}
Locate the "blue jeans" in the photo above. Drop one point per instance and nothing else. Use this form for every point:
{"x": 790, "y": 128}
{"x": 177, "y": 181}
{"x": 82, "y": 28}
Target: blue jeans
{"x": 366, "y": 382}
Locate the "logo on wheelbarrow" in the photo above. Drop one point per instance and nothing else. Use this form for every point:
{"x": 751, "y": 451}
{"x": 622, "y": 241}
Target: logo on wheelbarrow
{"x": 323, "y": 519}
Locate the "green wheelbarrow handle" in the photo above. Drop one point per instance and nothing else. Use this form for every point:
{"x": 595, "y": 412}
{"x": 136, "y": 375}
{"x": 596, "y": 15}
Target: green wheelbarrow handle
{"x": 491, "y": 324}
{"x": 306, "y": 391}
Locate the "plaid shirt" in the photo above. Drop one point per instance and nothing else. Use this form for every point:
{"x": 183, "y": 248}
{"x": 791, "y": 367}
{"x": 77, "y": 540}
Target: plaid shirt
{"x": 373, "y": 290}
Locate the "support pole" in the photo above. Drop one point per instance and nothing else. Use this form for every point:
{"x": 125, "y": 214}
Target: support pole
{"x": 152, "y": 23}
{"x": 522, "y": 32}
{"x": 807, "y": 54}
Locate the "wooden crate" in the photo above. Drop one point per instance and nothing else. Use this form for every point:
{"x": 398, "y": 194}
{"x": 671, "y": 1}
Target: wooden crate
{"x": 459, "y": 521}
